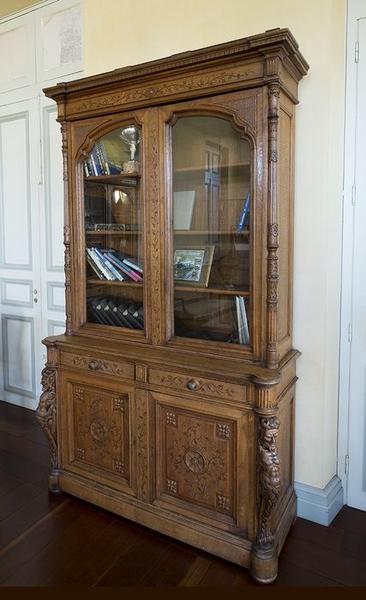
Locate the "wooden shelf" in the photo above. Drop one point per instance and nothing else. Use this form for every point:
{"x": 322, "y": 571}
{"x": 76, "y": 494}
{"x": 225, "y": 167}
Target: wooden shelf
{"x": 120, "y": 179}
{"x": 203, "y": 168}
{"x": 91, "y": 232}
{"x": 245, "y": 232}
{"x": 131, "y": 284}
{"x": 219, "y": 291}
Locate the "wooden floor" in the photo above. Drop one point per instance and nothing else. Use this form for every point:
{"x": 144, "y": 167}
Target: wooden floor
{"x": 56, "y": 541}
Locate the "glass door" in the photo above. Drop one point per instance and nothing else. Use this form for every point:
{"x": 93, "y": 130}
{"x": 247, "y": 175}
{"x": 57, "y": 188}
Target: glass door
{"x": 114, "y": 252}
{"x": 211, "y": 195}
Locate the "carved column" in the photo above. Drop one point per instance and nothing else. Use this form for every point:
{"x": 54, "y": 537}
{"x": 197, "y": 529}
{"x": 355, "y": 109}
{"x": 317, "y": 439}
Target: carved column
{"x": 272, "y": 234}
{"x": 47, "y": 417}
{"x": 264, "y": 553}
{"x": 67, "y": 232}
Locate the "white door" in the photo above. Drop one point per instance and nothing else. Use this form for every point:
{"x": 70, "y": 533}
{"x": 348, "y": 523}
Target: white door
{"x": 45, "y": 46}
{"x": 20, "y": 301}
{"x": 357, "y": 406}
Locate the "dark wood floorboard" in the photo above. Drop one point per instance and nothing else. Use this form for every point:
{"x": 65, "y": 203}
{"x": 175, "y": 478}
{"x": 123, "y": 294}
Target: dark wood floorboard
{"x": 50, "y": 540}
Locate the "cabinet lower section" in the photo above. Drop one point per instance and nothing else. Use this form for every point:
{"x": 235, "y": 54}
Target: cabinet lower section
{"x": 209, "y": 464}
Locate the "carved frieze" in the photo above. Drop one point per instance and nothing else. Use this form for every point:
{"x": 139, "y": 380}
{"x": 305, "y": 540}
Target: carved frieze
{"x": 175, "y": 87}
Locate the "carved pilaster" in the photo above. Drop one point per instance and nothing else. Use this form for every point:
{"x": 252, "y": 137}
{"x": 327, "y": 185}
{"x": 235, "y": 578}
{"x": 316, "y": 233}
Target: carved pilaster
{"x": 268, "y": 475}
{"x": 264, "y": 560}
{"x": 155, "y": 230}
{"x": 47, "y": 417}
{"x": 272, "y": 233}
{"x": 67, "y": 232}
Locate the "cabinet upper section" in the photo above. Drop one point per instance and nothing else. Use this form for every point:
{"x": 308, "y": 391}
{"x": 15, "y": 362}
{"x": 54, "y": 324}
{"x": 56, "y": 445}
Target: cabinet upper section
{"x": 179, "y": 194}
{"x": 270, "y": 57}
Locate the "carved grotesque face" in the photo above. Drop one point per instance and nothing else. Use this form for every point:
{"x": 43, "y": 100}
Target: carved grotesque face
{"x": 269, "y": 438}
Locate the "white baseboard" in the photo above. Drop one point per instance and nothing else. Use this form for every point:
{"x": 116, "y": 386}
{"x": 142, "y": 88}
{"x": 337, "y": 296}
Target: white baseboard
{"x": 319, "y": 505}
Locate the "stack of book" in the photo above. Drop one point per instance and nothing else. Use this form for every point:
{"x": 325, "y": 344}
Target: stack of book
{"x": 242, "y": 321}
{"x": 108, "y": 264}
{"x": 98, "y": 162}
{"x": 112, "y": 311}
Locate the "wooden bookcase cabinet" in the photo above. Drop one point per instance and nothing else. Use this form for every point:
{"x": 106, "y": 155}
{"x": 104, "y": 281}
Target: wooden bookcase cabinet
{"x": 191, "y": 437}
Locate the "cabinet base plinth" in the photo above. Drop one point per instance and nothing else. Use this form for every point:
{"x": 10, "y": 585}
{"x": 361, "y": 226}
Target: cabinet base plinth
{"x": 53, "y": 482}
{"x": 264, "y": 564}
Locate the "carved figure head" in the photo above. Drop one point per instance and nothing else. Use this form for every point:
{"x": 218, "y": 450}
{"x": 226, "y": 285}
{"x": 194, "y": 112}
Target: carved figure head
{"x": 269, "y": 433}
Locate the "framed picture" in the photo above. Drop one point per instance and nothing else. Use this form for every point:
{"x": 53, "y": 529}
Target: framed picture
{"x": 192, "y": 266}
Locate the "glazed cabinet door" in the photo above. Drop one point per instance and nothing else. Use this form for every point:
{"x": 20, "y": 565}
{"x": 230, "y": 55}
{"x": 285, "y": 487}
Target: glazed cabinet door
{"x": 107, "y": 213}
{"x": 96, "y": 415}
{"x": 204, "y": 462}
{"x": 215, "y": 213}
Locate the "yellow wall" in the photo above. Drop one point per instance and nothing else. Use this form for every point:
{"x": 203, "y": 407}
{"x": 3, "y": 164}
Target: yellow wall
{"x": 123, "y": 32}
{"x": 10, "y": 6}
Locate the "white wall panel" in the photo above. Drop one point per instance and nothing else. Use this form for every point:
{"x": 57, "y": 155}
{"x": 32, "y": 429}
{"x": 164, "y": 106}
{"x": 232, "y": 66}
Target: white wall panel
{"x": 14, "y": 192}
{"x": 18, "y": 354}
{"x": 17, "y": 292}
{"x": 17, "y": 63}
{"x": 55, "y": 296}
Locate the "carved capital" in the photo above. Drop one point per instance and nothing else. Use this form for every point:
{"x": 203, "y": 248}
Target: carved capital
{"x": 46, "y": 412}
{"x": 268, "y": 476}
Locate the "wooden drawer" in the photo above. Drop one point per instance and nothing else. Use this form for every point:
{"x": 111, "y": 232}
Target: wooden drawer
{"x": 198, "y": 385}
{"x": 98, "y": 365}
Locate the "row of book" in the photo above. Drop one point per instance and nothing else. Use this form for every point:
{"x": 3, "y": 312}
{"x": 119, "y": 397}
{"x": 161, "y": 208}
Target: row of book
{"x": 115, "y": 312}
{"x": 108, "y": 264}
{"x": 98, "y": 163}
{"x": 244, "y": 215}
{"x": 242, "y": 321}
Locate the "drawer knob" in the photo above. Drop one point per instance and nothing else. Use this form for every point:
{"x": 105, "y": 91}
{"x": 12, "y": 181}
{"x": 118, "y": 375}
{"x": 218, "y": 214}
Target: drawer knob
{"x": 193, "y": 384}
{"x": 93, "y": 365}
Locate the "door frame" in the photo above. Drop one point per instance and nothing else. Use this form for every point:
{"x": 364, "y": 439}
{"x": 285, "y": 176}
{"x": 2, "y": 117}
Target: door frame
{"x": 355, "y": 11}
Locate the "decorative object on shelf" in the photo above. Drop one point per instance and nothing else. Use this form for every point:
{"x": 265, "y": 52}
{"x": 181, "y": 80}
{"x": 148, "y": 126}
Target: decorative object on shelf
{"x": 131, "y": 136}
{"x": 193, "y": 265}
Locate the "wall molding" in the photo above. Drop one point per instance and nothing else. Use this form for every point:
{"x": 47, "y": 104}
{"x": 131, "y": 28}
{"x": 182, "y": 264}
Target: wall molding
{"x": 320, "y": 505}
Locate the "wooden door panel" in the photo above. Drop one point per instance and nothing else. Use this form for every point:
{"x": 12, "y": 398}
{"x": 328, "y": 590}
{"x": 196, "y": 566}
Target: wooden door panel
{"x": 98, "y": 431}
{"x": 199, "y": 452}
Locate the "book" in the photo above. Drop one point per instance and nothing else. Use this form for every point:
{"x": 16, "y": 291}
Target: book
{"x": 242, "y": 321}
{"x": 115, "y": 272}
{"x": 183, "y": 209}
{"x": 96, "y": 270}
{"x": 244, "y": 215}
{"x": 117, "y": 262}
{"x": 134, "y": 265}
{"x": 96, "y": 260}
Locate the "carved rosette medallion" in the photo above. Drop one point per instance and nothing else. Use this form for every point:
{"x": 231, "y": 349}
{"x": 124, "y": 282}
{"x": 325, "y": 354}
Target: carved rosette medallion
{"x": 268, "y": 473}
{"x": 194, "y": 461}
{"x": 46, "y": 411}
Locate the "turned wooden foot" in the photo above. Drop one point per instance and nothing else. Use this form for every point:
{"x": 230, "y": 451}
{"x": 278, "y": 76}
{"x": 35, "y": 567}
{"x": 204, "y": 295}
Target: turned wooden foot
{"x": 264, "y": 564}
{"x": 53, "y": 482}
